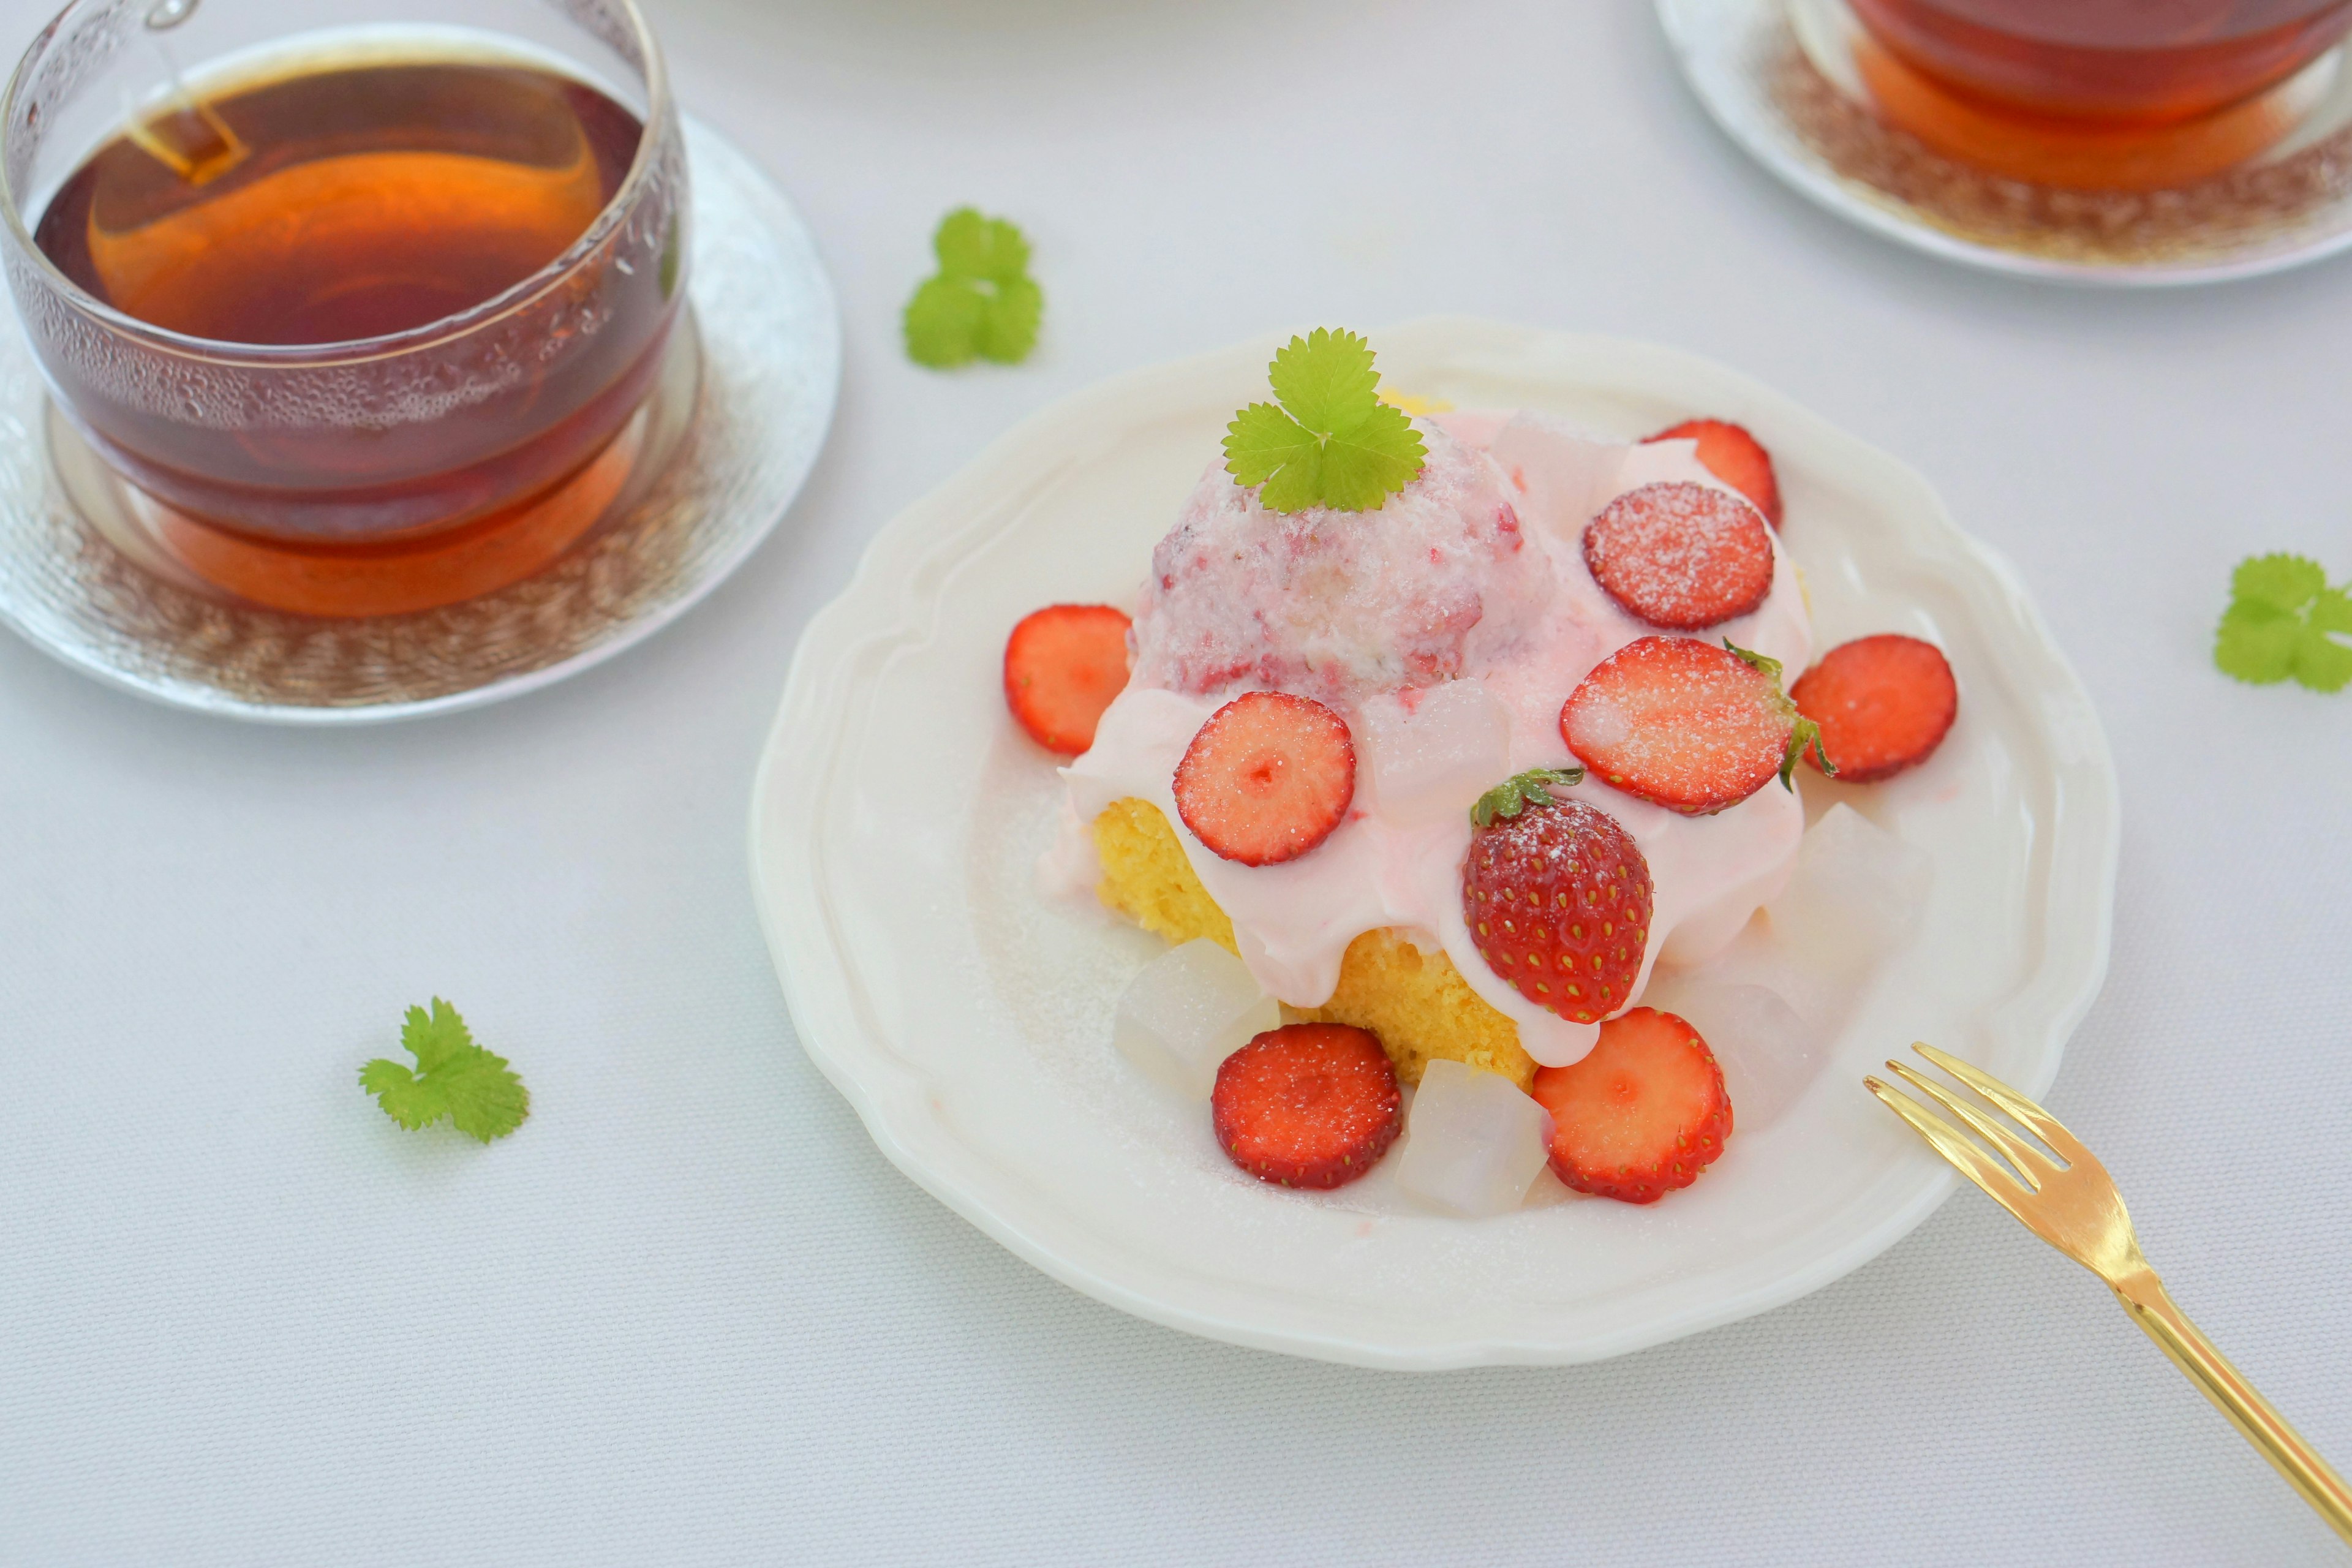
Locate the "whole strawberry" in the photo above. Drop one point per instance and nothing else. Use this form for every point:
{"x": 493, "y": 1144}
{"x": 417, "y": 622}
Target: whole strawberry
{"x": 1558, "y": 897}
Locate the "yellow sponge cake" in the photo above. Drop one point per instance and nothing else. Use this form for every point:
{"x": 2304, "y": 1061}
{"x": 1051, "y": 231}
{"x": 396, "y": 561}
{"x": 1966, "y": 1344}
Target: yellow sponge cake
{"x": 1418, "y": 1004}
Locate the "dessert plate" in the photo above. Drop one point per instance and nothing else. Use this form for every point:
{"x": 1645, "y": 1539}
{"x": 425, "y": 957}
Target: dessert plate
{"x": 1778, "y": 77}
{"x": 770, "y": 368}
{"x": 899, "y": 814}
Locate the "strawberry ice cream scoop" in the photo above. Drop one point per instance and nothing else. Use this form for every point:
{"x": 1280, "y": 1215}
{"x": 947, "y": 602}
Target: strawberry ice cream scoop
{"x": 1440, "y": 581}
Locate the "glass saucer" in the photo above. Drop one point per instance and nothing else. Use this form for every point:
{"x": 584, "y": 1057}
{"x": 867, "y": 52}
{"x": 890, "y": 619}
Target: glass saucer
{"x": 1777, "y": 76}
{"x": 770, "y": 341}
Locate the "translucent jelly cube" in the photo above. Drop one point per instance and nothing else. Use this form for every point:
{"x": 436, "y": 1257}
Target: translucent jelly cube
{"x": 1769, "y": 1050}
{"x": 1858, "y": 893}
{"x": 1186, "y": 1012}
{"x": 1472, "y": 1141}
{"x": 1438, "y": 757}
{"x": 1566, "y": 474}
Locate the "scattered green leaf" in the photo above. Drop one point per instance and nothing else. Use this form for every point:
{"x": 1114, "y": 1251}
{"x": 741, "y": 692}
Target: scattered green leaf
{"x": 455, "y": 1078}
{"x": 1520, "y": 791}
{"x": 971, "y": 246}
{"x": 1332, "y": 442}
{"x": 981, "y": 303}
{"x": 2284, "y": 621}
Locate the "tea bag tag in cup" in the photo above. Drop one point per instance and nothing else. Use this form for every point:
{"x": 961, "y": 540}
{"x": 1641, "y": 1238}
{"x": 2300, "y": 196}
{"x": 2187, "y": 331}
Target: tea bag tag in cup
{"x": 183, "y": 134}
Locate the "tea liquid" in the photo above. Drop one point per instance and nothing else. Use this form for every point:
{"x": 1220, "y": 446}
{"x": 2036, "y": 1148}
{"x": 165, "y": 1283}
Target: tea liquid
{"x": 340, "y": 204}
{"x": 2149, "y": 61}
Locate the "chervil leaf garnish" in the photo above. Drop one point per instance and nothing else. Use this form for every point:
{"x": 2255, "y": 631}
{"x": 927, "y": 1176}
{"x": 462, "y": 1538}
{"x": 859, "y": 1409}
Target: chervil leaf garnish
{"x": 455, "y": 1077}
{"x": 1520, "y": 791}
{"x": 2284, "y": 620}
{"x": 1332, "y": 443}
{"x": 981, "y": 303}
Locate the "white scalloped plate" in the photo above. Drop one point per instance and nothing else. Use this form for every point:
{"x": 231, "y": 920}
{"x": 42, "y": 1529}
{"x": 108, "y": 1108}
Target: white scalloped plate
{"x": 897, "y": 814}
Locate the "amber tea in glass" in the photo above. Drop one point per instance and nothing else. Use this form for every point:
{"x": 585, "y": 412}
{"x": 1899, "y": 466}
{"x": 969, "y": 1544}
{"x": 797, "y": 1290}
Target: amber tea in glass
{"x": 2150, "y": 62}
{"x": 2126, "y": 93}
{"x": 341, "y": 202}
{"x": 367, "y": 319}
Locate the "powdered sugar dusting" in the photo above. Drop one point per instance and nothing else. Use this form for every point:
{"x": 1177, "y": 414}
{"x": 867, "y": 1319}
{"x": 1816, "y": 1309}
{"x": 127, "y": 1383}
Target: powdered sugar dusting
{"x": 1685, "y": 716}
{"x": 1680, "y": 556}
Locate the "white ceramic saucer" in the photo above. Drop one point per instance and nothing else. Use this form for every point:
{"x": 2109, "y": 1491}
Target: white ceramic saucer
{"x": 771, "y": 369}
{"x": 899, "y": 814}
{"x": 1777, "y": 76}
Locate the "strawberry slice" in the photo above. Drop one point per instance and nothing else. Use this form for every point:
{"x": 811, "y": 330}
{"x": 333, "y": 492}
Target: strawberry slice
{"x": 1266, "y": 778}
{"x": 1680, "y": 556}
{"x": 1558, "y": 895}
{"x": 1884, "y": 703}
{"x": 1684, "y": 724}
{"x": 1308, "y": 1105}
{"x": 1729, "y": 453}
{"x": 1063, "y": 665}
{"x": 1642, "y": 1114}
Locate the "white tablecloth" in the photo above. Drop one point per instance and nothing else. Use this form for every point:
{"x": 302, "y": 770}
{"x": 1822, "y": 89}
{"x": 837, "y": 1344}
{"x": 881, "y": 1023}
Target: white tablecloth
{"x": 688, "y": 1315}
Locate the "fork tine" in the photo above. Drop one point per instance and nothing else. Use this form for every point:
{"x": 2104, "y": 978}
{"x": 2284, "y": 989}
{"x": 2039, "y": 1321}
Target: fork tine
{"x": 2035, "y": 1119}
{"x": 1956, "y": 1146}
{"x": 2029, "y": 1161}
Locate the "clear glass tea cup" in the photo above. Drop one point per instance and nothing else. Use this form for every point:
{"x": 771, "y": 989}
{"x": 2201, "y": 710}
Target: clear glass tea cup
{"x": 2114, "y": 62}
{"x": 351, "y": 307}
{"x": 2098, "y": 94}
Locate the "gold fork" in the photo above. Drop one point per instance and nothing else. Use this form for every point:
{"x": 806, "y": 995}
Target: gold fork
{"x": 2076, "y": 1208}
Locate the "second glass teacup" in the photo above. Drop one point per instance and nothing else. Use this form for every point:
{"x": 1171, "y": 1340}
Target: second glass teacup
{"x": 2113, "y": 94}
{"x": 365, "y": 306}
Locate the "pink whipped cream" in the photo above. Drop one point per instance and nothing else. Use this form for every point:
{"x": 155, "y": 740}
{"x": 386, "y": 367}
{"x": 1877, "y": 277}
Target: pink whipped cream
{"x": 1446, "y": 628}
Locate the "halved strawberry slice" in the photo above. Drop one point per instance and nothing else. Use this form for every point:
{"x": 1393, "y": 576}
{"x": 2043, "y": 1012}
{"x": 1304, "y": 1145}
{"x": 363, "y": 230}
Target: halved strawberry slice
{"x": 1729, "y": 453}
{"x": 1680, "y": 556}
{"x": 1883, "y": 704}
{"x": 1308, "y": 1105}
{"x": 1642, "y": 1114}
{"x": 1684, "y": 724}
{"x": 1266, "y": 778}
{"x": 1063, "y": 665}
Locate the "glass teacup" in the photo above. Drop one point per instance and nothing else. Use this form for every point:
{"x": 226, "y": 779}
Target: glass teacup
{"x": 2098, "y": 93}
{"x": 360, "y": 306}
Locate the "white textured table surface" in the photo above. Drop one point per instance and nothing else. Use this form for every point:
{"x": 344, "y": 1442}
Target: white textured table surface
{"x": 688, "y": 1315}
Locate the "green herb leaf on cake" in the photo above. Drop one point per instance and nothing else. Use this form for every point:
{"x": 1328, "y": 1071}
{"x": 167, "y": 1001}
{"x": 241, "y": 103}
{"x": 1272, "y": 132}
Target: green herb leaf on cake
{"x": 1520, "y": 791}
{"x": 2284, "y": 621}
{"x": 1332, "y": 442}
{"x": 455, "y": 1078}
{"x": 981, "y": 303}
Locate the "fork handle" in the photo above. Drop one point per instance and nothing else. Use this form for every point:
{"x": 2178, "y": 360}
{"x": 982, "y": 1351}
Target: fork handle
{"x": 2143, "y": 1297}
